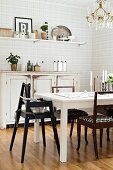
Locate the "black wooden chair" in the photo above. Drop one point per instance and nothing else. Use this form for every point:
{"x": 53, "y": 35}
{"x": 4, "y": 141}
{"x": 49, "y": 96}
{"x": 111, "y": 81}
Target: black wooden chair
{"x": 73, "y": 114}
{"x": 28, "y": 114}
{"x": 96, "y": 121}
{"x": 108, "y": 112}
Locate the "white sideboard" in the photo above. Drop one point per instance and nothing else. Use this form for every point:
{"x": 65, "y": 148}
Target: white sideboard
{"x": 10, "y": 85}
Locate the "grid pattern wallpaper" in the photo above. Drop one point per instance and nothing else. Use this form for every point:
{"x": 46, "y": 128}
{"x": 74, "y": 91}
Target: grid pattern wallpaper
{"x": 102, "y": 51}
{"x": 78, "y": 57}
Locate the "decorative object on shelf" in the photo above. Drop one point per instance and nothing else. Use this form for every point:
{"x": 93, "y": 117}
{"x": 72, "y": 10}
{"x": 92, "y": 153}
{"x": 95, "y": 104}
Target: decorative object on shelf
{"x": 16, "y": 34}
{"x": 64, "y": 67}
{"x": 29, "y": 66}
{"x": 101, "y": 16}
{"x": 32, "y": 35}
{"x": 36, "y": 67}
{"x": 60, "y": 65}
{"x": 61, "y": 33}
{"x": 55, "y": 67}
{"x": 36, "y": 34}
{"x": 23, "y": 35}
{"x": 23, "y": 25}
{"x": 6, "y": 32}
{"x": 46, "y": 23}
{"x": 13, "y": 60}
{"x": 44, "y": 32}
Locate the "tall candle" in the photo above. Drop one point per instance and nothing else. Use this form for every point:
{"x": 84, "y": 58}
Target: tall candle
{"x": 103, "y": 77}
{"x": 91, "y": 81}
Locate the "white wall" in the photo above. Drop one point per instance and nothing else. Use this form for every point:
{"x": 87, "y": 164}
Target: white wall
{"x": 102, "y": 52}
{"x": 78, "y": 58}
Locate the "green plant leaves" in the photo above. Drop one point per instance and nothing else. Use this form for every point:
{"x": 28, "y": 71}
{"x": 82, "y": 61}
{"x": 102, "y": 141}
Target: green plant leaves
{"x": 13, "y": 59}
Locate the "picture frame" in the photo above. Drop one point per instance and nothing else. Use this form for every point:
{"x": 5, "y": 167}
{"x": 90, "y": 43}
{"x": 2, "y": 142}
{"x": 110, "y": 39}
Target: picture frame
{"x": 23, "y": 25}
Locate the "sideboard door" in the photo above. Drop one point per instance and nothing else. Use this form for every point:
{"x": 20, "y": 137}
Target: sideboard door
{"x": 14, "y": 84}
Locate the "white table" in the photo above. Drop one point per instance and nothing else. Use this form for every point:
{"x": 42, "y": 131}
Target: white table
{"x": 66, "y": 101}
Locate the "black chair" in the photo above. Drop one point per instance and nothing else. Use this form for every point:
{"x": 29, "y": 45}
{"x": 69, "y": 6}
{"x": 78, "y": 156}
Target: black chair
{"x": 108, "y": 112}
{"x": 73, "y": 114}
{"x": 96, "y": 121}
{"x": 29, "y": 114}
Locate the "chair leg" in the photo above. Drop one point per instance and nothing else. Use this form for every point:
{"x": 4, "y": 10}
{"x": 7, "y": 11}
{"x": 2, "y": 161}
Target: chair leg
{"x": 14, "y": 130}
{"x": 43, "y": 132}
{"x": 24, "y": 138}
{"x": 71, "y": 130}
{"x": 86, "y": 135}
{"x": 108, "y": 138}
{"x": 95, "y": 143}
{"x": 79, "y": 135}
{"x": 53, "y": 122}
{"x": 101, "y": 136}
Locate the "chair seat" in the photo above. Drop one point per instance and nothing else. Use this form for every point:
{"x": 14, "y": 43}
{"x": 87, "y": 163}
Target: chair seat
{"x": 106, "y": 111}
{"x": 38, "y": 115}
{"x": 72, "y": 113}
{"x": 38, "y": 110}
{"x": 76, "y": 113}
{"x": 99, "y": 118}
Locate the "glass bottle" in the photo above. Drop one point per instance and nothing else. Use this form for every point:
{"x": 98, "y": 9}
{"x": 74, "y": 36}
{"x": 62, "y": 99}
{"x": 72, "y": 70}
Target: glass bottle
{"x": 64, "y": 66}
{"x": 54, "y": 66}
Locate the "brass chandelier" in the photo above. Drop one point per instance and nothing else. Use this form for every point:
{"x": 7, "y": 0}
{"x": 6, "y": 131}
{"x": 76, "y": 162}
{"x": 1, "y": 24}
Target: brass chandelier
{"x": 101, "y": 16}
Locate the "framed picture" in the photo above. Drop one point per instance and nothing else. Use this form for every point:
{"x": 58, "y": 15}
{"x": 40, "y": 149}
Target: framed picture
{"x": 23, "y": 24}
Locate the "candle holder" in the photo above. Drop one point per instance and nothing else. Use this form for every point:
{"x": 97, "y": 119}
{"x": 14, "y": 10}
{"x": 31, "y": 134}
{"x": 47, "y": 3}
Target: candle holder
{"x": 104, "y": 86}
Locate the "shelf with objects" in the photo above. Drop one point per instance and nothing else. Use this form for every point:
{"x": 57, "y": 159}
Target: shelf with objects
{"x": 16, "y": 39}
{"x": 44, "y": 41}
{"x": 56, "y": 41}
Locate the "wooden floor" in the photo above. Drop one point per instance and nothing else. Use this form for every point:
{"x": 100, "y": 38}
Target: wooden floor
{"x": 39, "y": 158}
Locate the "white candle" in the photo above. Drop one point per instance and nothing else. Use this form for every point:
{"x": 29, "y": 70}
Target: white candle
{"x": 91, "y": 81}
{"x": 103, "y": 77}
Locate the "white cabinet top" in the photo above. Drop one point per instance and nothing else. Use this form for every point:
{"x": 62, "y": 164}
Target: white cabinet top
{"x": 37, "y": 73}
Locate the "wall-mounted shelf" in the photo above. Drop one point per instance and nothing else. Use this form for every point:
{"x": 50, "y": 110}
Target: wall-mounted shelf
{"x": 43, "y": 41}
{"x": 66, "y": 42}
{"x": 18, "y": 39}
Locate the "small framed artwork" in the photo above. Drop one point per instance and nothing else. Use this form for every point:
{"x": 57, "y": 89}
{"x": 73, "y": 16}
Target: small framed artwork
{"x": 23, "y": 25}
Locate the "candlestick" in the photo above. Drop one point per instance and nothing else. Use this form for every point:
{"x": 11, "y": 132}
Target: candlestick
{"x": 103, "y": 77}
{"x": 91, "y": 81}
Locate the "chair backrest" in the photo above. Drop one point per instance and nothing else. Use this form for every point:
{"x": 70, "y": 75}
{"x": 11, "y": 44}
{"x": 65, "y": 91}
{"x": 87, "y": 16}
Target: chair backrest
{"x": 32, "y": 103}
{"x": 25, "y": 92}
{"x": 98, "y": 106}
{"x": 56, "y": 88}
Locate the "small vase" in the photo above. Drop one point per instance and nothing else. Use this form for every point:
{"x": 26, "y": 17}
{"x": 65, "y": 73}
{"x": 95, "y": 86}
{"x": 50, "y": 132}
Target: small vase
{"x": 43, "y": 35}
{"x": 13, "y": 67}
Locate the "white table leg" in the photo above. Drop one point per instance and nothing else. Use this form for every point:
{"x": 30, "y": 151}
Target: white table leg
{"x": 63, "y": 135}
{"x": 36, "y": 131}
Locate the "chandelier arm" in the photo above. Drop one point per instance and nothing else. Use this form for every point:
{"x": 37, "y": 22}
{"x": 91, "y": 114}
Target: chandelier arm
{"x": 100, "y": 16}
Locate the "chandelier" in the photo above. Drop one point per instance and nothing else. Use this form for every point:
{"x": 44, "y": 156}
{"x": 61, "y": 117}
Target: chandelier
{"x": 101, "y": 16}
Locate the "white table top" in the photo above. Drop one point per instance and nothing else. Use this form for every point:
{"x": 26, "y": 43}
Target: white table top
{"x": 73, "y": 96}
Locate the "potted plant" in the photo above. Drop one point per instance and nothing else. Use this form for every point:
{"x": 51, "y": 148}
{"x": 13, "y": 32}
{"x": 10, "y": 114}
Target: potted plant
{"x": 13, "y": 60}
{"x": 44, "y": 29}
